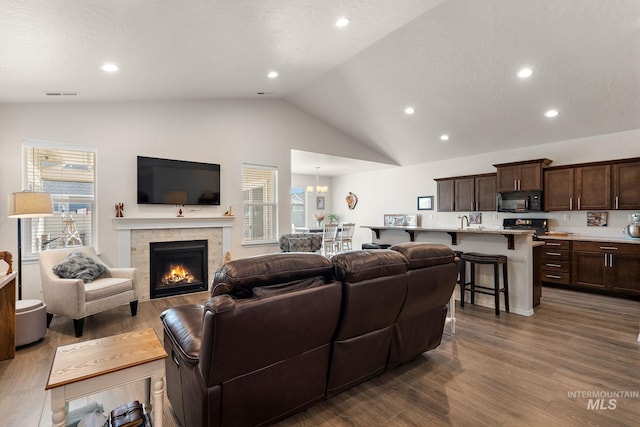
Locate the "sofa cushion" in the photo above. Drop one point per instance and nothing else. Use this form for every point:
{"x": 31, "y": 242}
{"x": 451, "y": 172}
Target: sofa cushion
{"x": 106, "y": 287}
{"x": 362, "y": 265}
{"x": 79, "y": 266}
{"x": 242, "y": 275}
{"x": 422, "y": 255}
{"x": 283, "y": 288}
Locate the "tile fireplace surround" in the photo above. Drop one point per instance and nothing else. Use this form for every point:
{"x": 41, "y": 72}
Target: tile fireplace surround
{"x": 135, "y": 234}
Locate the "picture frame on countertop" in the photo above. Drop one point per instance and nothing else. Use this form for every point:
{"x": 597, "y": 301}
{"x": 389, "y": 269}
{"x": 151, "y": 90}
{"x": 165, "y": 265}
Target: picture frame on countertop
{"x": 475, "y": 217}
{"x": 425, "y": 203}
{"x": 400, "y": 220}
{"x": 596, "y": 219}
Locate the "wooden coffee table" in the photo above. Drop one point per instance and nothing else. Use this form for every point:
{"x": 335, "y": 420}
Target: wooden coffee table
{"x": 93, "y": 366}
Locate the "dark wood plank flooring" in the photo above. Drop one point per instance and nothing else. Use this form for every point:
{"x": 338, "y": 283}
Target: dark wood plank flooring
{"x": 506, "y": 371}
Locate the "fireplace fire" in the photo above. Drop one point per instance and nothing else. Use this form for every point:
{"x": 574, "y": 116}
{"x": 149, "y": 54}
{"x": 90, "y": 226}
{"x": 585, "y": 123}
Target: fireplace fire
{"x": 177, "y": 267}
{"x": 177, "y": 275}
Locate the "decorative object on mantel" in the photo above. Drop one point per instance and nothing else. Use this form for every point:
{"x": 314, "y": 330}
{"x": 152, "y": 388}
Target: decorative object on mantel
{"x": 319, "y": 218}
{"x": 180, "y": 212}
{"x": 229, "y": 212}
{"x": 475, "y": 217}
{"x": 8, "y": 258}
{"x": 425, "y": 203}
{"x": 120, "y": 210}
{"x": 596, "y": 219}
{"x": 352, "y": 201}
{"x": 400, "y": 220}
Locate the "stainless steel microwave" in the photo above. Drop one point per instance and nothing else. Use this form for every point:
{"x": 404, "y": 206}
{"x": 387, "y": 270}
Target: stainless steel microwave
{"x": 519, "y": 201}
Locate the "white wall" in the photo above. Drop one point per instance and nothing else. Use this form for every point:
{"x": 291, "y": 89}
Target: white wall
{"x": 228, "y": 132}
{"x": 395, "y": 190}
{"x": 231, "y": 132}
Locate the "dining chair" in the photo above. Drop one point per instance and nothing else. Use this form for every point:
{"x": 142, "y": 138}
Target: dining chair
{"x": 329, "y": 239}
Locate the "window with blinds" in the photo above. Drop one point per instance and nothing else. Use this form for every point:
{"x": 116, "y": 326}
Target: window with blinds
{"x": 259, "y": 203}
{"x": 68, "y": 174}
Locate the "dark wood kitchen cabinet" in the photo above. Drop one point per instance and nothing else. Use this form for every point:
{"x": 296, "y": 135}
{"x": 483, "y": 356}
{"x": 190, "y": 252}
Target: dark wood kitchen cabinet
{"x": 555, "y": 262}
{"x": 626, "y": 185}
{"x": 445, "y": 194}
{"x": 577, "y": 188}
{"x": 485, "y": 192}
{"x": 552, "y": 264}
{"x": 467, "y": 193}
{"x": 521, "y": 176}
{"x": 608, "y": 266}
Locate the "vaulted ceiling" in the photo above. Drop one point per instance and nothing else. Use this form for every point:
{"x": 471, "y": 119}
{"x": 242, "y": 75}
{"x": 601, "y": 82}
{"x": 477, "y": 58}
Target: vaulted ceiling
{"x": 453, "y": 61}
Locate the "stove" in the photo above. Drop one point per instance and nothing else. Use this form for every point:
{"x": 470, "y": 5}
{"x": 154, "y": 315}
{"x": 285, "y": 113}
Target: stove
{"x": 539, "y": 225}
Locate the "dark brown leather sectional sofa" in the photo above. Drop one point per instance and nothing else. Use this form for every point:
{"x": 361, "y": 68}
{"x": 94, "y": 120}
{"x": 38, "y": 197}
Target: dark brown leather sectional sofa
{"x": 283, "y": 331}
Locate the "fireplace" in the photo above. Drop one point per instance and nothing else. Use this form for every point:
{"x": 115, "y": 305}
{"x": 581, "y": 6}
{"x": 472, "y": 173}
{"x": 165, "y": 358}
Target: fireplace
{"x": 177, "y": 267}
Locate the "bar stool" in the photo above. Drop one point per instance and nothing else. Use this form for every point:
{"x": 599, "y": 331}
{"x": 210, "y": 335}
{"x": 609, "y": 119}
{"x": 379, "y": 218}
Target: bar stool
{"x": 474, "y": 258}
{"x": 452, "y": 301}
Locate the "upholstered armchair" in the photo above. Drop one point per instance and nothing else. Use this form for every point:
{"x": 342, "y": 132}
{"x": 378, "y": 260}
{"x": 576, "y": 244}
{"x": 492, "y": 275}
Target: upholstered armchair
{"x": 88, "y": 285}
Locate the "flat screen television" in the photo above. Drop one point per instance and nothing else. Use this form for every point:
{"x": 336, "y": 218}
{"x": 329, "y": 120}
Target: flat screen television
{"x": 177, "y": 182}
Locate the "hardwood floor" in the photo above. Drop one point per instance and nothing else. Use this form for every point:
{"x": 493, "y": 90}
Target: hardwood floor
{"x": 511, "y": 370}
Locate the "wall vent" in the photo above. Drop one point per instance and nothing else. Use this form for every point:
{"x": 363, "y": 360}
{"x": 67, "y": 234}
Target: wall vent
{"x": 59, "y": 93}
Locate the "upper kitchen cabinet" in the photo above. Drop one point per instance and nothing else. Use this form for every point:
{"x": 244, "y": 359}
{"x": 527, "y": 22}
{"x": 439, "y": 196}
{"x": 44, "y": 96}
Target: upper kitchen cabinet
{"x": 467, "y": 193}
{"x": 585, "y": 187}
{"x": 626, "y": 184}
{"x": 445, "y": 194}
{"x": 485, "y": 192}
{"x": 521, "y": 176}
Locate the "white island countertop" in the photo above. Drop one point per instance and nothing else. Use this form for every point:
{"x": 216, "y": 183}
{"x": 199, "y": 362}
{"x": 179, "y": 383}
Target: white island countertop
{"x": 453, "y": 231}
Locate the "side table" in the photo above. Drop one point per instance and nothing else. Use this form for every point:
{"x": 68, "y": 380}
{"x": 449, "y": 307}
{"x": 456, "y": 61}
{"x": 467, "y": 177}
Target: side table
{"x": 7, "y": 316}
{"x": 93, "y": 366}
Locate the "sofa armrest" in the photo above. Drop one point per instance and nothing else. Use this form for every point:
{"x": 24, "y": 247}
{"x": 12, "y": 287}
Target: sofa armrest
{"x": 183, "y": 326}
{"x": 65, "y": 297}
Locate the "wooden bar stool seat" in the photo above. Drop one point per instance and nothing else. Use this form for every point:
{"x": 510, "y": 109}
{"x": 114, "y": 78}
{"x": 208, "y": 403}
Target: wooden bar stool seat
{"x": 474, "y": 258}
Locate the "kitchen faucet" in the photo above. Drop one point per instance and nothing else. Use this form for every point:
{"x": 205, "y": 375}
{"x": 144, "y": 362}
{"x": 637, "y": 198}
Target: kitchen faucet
{"x": 462, "y": 218}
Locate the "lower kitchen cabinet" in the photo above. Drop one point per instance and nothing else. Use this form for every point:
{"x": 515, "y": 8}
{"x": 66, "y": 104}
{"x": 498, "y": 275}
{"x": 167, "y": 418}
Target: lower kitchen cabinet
{"x": 609, "y": 267}
{"x": 613, "y": 267}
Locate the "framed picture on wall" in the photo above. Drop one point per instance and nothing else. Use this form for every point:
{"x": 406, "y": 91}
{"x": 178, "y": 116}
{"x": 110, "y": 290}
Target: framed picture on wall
{"x": 320, "y": 203}
{"x": 425, "y": 203}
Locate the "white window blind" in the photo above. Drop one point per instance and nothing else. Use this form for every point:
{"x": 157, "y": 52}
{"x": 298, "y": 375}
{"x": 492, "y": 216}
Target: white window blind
{"x": 259, "y": 201}
{"x": 68, "y": 174}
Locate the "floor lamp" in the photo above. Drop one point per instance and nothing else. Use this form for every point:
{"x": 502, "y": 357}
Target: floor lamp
{"x": 27, "y": 204}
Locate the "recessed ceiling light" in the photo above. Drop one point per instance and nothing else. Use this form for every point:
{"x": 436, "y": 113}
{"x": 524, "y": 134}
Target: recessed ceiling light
{"x": 272, "y": 74}
{"x": 109, "y": 67}
{"x": 444, "y": 137}
{"x": 342, "y": 22}
{"x": 525, "y": 72}
{"x": 409, "y": 110}
{"x": 551, "y": 113}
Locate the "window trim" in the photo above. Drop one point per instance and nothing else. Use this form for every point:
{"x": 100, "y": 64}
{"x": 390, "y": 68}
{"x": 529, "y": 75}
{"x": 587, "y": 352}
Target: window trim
{"x": 274, "y": 206}
{"x": 28, "y": 252}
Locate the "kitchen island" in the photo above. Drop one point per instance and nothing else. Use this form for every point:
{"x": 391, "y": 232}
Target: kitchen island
{"x": 491, "y": 240}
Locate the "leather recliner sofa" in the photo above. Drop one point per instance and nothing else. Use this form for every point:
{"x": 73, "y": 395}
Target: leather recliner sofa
{"x": 283, "y": 331}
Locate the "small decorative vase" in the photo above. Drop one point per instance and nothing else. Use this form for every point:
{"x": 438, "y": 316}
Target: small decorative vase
{"x": 319, "y": 223}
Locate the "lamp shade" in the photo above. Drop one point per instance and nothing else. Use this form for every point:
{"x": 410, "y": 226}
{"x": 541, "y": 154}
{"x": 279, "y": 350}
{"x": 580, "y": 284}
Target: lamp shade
{"x": 30, "y": 204}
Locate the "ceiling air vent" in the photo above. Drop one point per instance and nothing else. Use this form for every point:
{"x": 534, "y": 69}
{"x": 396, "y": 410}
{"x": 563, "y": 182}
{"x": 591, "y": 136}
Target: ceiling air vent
{"x": 58, "y": 93}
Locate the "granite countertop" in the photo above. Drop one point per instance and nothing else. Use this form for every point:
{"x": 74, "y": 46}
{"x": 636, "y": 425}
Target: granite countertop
{"x": 584, "y": 238}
